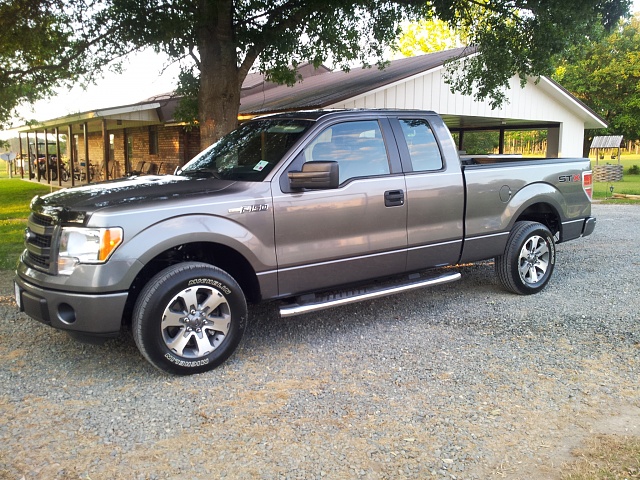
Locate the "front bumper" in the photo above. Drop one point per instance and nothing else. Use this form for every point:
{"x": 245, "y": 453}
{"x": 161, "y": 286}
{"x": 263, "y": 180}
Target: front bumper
{"x": 94, "y": 315}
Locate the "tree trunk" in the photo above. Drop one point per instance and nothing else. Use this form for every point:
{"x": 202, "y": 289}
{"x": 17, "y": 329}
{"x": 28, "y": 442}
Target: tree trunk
{"x": 220, "y": 82}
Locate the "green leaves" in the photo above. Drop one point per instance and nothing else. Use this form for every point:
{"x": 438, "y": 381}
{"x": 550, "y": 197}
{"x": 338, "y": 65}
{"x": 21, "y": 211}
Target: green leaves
{"x": 48, "y": 43}
{"x": 516, "y": 38}
{"x": 605, "y": 74}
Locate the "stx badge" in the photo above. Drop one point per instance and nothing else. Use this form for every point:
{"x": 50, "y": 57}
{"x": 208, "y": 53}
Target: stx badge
{"x": 569, "y": 178}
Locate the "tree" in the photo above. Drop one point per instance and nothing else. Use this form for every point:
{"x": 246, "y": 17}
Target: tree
{"x": 605, "y": 74}
{"x": 514, "y": 38}
{"x": 45, "y": 44}
{"x": 426, "y": 36}
{"x": 225, "y": 39}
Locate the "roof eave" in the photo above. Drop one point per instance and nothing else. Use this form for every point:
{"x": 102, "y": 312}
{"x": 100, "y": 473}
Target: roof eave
{"x": 82, "y": 117}
{"x": 591, "y": 119}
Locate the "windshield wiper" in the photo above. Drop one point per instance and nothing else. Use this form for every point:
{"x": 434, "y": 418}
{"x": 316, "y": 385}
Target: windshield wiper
{"x": 201, "y": 173}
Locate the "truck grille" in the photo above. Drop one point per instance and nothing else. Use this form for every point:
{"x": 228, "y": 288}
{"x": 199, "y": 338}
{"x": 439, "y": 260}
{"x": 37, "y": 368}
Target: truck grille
{"x": 38, "y": 241}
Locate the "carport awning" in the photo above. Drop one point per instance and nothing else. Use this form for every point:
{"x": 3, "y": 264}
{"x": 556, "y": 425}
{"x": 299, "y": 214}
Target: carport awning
{"x": 152, "y": 112}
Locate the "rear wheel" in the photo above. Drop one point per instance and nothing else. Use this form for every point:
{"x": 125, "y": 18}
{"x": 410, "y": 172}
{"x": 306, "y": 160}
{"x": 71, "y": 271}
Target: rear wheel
{"x": 528, "y": 260}
{"x": 189, "y": 318}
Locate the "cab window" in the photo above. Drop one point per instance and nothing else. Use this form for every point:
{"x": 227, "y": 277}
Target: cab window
{"x": 358, "y": 147}
{"x": 423, "y": 148}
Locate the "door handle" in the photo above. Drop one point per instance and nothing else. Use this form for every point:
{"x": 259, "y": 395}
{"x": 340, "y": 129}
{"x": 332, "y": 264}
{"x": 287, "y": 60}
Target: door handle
{"x": 393, "y": 198}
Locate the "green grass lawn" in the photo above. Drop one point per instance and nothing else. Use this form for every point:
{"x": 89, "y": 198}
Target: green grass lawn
{"x": 15, "y": 196}
{"x": 630, "y": 184}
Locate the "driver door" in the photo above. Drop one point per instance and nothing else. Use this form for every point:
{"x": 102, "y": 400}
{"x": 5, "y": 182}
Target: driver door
{"x": 355, "y": 232}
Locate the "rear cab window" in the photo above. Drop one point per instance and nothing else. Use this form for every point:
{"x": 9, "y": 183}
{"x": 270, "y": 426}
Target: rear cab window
{"x": 422, "y": 148}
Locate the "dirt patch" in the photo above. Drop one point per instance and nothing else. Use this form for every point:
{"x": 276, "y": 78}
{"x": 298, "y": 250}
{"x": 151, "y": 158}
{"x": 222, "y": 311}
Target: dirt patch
{"x": 620, "y": 425}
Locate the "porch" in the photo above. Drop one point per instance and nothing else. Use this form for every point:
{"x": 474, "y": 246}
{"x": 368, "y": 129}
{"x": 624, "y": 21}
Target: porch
{"x": 106, "y": 144}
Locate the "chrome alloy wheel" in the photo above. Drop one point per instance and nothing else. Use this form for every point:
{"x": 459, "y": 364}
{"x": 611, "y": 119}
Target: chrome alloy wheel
{"x": 196, "y": 321}
{"x": 534, "y": 260}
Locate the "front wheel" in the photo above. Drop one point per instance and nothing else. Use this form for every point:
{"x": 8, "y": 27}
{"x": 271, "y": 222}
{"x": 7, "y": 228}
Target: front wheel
{"x": 189, "y": 318}
{"x": 528, "y": 260}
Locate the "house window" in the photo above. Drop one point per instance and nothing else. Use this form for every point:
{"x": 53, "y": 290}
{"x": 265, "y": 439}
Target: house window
{"x": 153, "y": 140}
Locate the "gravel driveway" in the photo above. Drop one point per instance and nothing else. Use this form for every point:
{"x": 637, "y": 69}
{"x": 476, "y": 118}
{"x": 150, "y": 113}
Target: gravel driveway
{"x": 460, "y": 381}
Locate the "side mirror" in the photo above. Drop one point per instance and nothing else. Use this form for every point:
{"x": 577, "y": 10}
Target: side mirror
{"x": 320, "y": 175}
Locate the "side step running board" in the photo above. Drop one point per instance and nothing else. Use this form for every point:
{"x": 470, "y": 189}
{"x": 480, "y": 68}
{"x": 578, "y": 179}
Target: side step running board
{"x": 360, "y": 295}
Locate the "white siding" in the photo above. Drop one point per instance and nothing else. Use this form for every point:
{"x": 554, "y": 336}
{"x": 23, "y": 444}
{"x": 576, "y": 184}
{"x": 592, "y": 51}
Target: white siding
{"x": 428, "y": 91}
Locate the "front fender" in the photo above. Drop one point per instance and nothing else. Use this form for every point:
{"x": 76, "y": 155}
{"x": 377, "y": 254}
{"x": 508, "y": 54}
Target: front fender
{"x": 130, "y": 258}
{"x": 256, "y": 246}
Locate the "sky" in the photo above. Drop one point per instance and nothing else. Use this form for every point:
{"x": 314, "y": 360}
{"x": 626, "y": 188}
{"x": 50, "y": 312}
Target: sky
{"x": 143, "y": 77}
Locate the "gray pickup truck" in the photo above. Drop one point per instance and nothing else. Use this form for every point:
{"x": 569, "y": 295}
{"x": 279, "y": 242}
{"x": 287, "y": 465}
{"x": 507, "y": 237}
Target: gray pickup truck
{"x": 313, "y": 209}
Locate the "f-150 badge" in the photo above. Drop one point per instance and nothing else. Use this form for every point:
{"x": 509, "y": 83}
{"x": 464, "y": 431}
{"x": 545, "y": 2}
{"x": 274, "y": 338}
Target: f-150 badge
{"x": 250, "y": 208}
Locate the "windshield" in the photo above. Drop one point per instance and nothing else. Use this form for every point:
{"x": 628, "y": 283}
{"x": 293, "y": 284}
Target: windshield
{"x": 248, "y": 153}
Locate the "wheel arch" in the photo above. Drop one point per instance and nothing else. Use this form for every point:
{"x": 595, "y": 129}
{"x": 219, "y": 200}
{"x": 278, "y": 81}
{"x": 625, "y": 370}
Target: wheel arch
{"x": 219, "y": 255}
{"x": 541, "y": 203}
{"x": 541, "y": 212}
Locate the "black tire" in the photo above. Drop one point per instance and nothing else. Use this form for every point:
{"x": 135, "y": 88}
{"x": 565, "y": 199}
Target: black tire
{"x": 528, "y": 260}
{"x": 204, "y": 313}
{"x": 65, "y": 176}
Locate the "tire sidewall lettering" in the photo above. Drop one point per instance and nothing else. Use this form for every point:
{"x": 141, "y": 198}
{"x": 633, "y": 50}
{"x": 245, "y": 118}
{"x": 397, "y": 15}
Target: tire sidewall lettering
{"x": 552, "y": 248}
{"x": 240, "y": 320}
{"x": 194, "y": 282}
{"x": 184, "y": 363}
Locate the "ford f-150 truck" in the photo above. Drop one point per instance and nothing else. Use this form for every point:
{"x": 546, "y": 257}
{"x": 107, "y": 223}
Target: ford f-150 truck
{"x": 312, "y": 209}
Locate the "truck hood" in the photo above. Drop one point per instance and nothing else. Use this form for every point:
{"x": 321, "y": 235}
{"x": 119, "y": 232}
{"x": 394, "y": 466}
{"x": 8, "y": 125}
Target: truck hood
{"x": 69, "y": 202}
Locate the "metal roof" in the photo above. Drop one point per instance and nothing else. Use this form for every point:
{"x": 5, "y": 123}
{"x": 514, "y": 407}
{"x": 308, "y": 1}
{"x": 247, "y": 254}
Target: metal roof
{"x": 328, "y": 88}
{"x": 608, "y": 141}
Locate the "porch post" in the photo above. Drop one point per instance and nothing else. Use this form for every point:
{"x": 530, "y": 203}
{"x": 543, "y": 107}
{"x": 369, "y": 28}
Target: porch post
{"x": 125, "y": 141}
{"x": 105, "y": 148}
{"x": 29, "y": 156}
{"x": 46, "y": 156}
{"x": 37, "y": 162}
{"x": 58, "y": 160}
{"x": 21, "y": 155}
{"x": 70, "y": 150}
{"x": 85, "y": 131}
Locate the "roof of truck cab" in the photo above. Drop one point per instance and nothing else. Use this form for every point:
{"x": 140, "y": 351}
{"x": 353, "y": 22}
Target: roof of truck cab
{"x": 321, "y": 113}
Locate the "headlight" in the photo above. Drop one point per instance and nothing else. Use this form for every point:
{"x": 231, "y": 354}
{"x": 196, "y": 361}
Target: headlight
{"x": 86, "y": 245}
